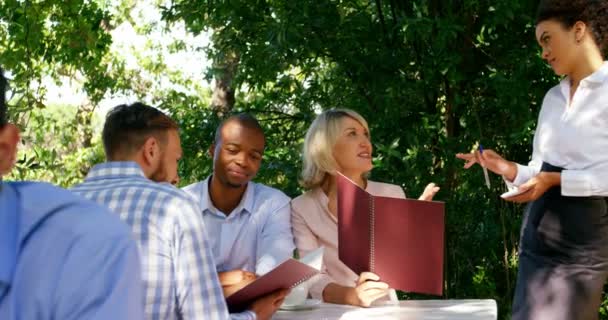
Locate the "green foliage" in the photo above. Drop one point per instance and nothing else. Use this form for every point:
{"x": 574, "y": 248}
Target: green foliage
{"x": 432, "y": 78}
{"x": 53, "y": 150}
{"x": 52, "y": 38}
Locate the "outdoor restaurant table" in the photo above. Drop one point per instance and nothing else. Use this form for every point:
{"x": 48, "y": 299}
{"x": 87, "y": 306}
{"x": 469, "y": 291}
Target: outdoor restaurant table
{"x": 406, "y": 310}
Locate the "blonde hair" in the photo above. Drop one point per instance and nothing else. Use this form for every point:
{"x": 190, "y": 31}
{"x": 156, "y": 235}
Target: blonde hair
{"x": 317, "y": 155}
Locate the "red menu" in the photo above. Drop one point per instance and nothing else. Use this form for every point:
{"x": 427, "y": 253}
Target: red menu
{"x": 400, "y": 240}
{"x": 286, "y": 275}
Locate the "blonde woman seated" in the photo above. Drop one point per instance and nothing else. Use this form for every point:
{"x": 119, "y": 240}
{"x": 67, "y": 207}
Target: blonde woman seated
{"x": 337, "y": 140}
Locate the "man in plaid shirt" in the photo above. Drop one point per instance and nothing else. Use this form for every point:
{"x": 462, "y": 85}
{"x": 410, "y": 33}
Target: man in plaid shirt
{"x": 142, "y": 146}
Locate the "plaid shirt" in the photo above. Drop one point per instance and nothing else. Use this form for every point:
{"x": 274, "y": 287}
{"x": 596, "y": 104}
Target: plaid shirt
{"x": 180, "y": 279}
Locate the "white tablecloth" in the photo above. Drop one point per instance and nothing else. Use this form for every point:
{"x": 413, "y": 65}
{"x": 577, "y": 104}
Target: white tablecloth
{"x": 406, "y": 310}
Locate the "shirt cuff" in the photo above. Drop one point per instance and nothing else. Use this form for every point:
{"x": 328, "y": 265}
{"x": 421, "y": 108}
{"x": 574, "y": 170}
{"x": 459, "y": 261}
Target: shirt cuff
{"x": 576, "y": 183}
{"x": 524, "y": 173}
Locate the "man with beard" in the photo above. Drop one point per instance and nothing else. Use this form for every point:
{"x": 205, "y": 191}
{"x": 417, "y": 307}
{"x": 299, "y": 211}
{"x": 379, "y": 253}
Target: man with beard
{"x": 248, "y": 223}
{"x": 143, "y": 148}
{"x": 61, "y": 256}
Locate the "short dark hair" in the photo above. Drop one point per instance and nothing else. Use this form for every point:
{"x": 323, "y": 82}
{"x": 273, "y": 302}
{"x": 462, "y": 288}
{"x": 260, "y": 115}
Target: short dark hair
{"x": 245, "y": 119}
{"x": 128, "y": 127}
{"x": 594, "y": 13}
{"x": 3, "y": 106}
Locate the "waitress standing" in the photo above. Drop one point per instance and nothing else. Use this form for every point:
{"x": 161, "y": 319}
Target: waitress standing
{"x": 563, "y": 253}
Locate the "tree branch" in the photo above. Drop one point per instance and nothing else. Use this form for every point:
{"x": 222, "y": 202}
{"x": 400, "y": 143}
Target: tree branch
{"x": 381, "y": 16}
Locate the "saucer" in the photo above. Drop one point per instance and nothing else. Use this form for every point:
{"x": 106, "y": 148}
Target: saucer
{"x": 307, "y": 305}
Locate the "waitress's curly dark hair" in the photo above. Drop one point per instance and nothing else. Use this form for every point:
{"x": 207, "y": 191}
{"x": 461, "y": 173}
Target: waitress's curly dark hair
{"x": 594, "y": 13}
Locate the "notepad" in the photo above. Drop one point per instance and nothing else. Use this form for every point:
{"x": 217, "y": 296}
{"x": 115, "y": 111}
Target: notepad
{"x": 400, "y": 240}
{"x": 512, "y": 193}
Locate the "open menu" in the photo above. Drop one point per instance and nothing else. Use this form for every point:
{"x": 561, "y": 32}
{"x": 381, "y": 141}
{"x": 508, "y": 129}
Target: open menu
{"x": 400, "y": 240}
{"x": 286, "y": 275}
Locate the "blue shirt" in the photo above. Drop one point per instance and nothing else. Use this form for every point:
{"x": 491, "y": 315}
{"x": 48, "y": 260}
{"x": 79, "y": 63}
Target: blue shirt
{"x": 64, "y": 257}
{"x": 256, "y": 236}
{"x": 179, "y": 276}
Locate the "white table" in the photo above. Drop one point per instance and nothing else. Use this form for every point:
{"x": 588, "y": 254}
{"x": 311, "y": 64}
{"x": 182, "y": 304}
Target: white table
{"x": 406, "y": 310}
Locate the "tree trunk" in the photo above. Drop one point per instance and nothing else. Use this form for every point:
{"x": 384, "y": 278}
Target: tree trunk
{"x": 223, "y": 98}
{"x": 85, "y": 123}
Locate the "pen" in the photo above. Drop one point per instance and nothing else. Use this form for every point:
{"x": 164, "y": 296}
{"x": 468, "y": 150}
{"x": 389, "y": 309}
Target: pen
{"x": 485, "y": 170}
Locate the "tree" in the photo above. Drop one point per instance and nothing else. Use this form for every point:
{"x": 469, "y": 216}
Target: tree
{"x": 53, "y": 39}
{"x": 432, "y": 78}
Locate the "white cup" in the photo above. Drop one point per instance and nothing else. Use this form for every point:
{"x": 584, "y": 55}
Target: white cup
{"x": 297, "y": 296}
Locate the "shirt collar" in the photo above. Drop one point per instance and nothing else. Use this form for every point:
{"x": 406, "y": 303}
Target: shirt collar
{"x": 9, "y": 231}
{"x": 246, "y": 204}
{"x": 599, "y": 76}
{"x": 115, "y": 169}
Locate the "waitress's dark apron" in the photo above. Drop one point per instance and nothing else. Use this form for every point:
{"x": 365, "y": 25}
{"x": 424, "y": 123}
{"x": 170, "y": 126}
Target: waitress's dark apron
{"x": 563, "y": 257}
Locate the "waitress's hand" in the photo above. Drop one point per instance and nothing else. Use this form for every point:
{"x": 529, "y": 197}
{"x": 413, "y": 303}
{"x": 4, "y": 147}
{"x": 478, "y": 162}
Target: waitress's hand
{"x": 536, "y": 187}
{"x": 492, "y": 161}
